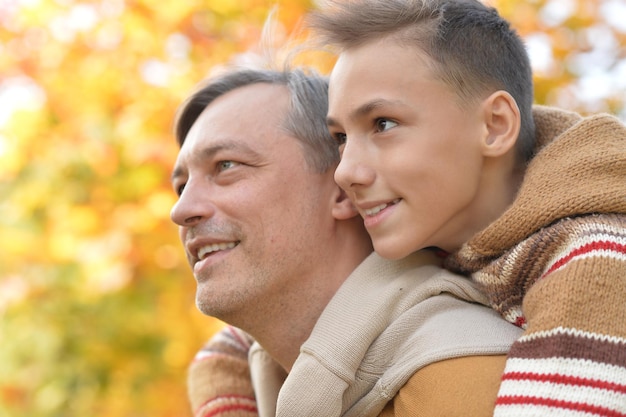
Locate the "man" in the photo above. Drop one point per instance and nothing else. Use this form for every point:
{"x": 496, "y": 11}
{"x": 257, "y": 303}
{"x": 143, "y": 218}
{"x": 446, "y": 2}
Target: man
{"x": 278, "y": 251}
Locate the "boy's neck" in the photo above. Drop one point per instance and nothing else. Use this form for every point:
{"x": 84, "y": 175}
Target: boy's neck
{"x": 499, "y": 187}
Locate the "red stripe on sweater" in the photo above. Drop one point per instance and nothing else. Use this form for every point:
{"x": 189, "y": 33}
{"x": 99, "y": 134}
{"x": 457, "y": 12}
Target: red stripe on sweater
{"x": 566, "y": 380}
{"x": 566, "y": 405}
{"x": 229, "y": 408}
{"x": 242, "y": 343}
{"x": 589, "y": 247}
{"x": 520, "y": 321}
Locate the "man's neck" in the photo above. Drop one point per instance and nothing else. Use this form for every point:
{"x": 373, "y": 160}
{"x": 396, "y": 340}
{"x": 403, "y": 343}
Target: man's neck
{"x": 284, "y": 326}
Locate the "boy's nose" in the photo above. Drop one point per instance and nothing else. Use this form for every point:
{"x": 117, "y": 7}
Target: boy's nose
{"x": 354, "y": 169}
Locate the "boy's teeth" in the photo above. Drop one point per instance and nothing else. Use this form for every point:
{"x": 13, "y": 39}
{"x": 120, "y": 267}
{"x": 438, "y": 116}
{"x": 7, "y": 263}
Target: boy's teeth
{"x": 375, "y": 210}
{"x": 205, "y": 250}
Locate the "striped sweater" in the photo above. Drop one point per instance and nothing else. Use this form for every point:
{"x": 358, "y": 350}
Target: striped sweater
{"x": 225, "y": 359}
{"x": 555, "y": 264}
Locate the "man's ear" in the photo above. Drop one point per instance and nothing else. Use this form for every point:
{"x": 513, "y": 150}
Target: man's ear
{"x": 502, "y": 120}
{"x": 343, "y": 209}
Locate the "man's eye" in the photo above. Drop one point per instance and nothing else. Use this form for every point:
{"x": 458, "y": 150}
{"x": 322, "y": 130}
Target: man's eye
{"x": 224, "y": 165}
{"x": 383, "y": 125}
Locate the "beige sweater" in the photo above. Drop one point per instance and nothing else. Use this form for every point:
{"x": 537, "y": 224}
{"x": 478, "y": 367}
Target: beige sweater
{"x": 388, "y": 320}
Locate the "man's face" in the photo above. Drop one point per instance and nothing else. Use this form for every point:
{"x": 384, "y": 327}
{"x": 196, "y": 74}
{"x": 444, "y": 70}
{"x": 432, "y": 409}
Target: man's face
{"x": 252, "y": 214}
{"x": 412, "y": 158}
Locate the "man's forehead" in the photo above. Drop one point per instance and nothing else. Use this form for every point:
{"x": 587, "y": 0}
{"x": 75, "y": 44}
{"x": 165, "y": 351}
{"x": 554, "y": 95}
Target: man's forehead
{"x": 255, "y": 106}
{"x": 249, "y": 97}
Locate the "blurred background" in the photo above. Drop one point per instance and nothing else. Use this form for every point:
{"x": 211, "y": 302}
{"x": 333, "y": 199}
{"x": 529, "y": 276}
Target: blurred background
{"x": 97, "y": 313}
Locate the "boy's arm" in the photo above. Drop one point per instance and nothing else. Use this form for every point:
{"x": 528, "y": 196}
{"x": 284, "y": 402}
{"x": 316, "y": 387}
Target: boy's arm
{"x": 219, "y": 381}
{"x": 572, "y": 358}
{"x": 459, "y": 387}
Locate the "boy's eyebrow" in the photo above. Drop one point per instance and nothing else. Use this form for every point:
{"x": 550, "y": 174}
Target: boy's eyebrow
{"x": 364, "y": 109}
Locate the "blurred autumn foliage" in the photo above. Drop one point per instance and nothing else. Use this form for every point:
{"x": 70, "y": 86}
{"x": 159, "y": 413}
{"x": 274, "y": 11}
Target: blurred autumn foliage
{"x": 97, "y": 312}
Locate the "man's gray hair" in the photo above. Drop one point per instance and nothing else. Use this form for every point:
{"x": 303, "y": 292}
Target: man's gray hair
{"x": 305, "y": 119}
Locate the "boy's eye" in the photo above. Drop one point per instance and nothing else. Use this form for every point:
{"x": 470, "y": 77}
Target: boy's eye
{"x": 340, "y": 138}
{"x": 383, "y": 125}
{"x": 179, "y": 189}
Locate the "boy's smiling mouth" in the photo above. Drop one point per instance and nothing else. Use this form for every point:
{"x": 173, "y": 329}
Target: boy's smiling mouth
{"x": 375, "y": 210}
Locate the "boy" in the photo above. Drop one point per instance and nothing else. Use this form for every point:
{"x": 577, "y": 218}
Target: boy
{"x": 431, "y": 102}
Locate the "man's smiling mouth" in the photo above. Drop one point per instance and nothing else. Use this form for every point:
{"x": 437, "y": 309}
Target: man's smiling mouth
{"x": 205, "y": 251}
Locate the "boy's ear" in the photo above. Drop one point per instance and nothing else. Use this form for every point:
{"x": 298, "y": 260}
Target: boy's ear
{"x": 343, "y": 209}
{"x": 502, "y": 120}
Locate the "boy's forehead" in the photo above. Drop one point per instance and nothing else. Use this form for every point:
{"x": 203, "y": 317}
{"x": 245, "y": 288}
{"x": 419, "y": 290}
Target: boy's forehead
{"x": 389, "y": 52}
{"x": 371, "y": 65}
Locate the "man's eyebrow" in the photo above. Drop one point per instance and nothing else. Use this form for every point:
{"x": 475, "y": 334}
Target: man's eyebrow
{"x": 178, "y": 172}
{"x": 210, "y": 152}
{"x": 365, "y": 109}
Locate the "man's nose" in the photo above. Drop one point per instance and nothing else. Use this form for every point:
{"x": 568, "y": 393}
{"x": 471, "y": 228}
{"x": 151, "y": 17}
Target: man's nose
{"x": 193, "y": 205}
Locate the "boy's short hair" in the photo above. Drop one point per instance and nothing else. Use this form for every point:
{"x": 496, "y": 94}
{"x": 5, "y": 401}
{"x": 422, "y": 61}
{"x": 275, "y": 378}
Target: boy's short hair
{"x": 473, "y": 49}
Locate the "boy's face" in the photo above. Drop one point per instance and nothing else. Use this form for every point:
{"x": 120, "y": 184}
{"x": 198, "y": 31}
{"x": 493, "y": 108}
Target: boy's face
{"x": 412, "y": 158}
